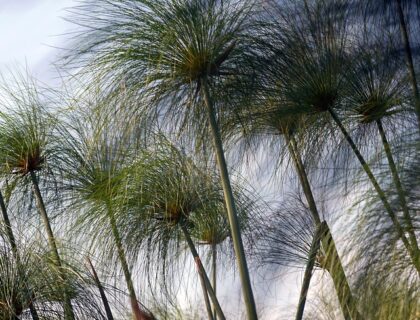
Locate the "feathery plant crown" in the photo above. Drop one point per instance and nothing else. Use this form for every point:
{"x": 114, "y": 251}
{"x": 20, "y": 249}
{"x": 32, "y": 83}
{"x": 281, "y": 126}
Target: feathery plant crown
{"x": 26, "y": 128}
{"x": 169, "y": 190}
{"x": 100, "y": 154}
{"x": 376, "y": 85}
{"x": 164, "y": 40}
{"x": 159, "y": 51}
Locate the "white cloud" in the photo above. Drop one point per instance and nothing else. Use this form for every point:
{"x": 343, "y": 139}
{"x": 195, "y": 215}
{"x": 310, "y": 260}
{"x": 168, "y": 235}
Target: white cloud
{"x": 29, "y": 31}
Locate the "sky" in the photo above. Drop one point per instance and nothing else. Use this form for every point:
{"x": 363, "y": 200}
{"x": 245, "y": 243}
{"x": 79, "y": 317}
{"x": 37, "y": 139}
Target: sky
{"x": 31, "y": 33}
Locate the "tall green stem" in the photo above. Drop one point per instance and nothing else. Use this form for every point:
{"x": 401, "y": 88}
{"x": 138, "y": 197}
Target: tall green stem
{"x": 308, "y": 270}
{"x": 137, "y": 312}
{"x": 68, "y": 308}
{"x": 333, "y": 261}
{"x": 201, "y": 270}
{"x": 378, "y": 190}
{"x": 214, "y": 272}
{"x": 409, "y": 60}
{"x": 101, "y": 290}
{"x": 303, "y": 179}
{"x": 230, "y": 205}
{"x": 334, "y": 266}
{"x": 400, "y": 190}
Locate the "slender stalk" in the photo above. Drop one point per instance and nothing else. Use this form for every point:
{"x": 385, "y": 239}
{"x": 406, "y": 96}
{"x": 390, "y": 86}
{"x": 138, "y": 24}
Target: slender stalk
{"x": 333, "y": 261}
{"x": 12, "y": 240}
{"x": 230, "y": 205}
{"x": 308, "y": 270}
{"x": 205, "y": 294}
{"x": 33, "y": 311}
{"x": 400, "y": 189}
{"x": 214, "y": 272}
{"x": 333, "y": 265}
{"x": 101, "y": 290}
{"x": 409, "y": 59}
{"x": 303, "y": 178}
{"x": 202, "y": 271}
{"x": 378, "y": 189}
{"x": 9, "y": 230}
{"x": 68, "y": 308}
{"x": 137, "y": 312}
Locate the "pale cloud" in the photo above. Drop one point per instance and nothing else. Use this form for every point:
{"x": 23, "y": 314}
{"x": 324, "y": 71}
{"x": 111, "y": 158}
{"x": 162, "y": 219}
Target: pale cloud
{"x": 30, "y": 32}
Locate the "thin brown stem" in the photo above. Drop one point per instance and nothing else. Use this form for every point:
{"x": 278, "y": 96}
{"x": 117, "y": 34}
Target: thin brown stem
{"x": 98, "y": 283}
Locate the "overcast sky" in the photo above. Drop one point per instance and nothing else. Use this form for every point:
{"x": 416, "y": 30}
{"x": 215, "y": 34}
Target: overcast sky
{"x": 30, "y": 32}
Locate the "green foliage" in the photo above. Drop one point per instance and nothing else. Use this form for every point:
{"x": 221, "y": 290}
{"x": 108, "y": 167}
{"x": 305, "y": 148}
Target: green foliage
{"x": 324, "y": 91}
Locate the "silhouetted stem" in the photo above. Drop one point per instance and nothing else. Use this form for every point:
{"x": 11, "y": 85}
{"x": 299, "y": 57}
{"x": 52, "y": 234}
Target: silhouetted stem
{"x": 230, "y": 205}
{"x": 308, "y": 270}
{"x": 202, "y": 271}
{"x": 68, "y": 308}
{"x": 101, "y": 290}
{"x": 34, "y": 313}
{"x": 400, "y": 189}
{"x": 336, "y": 270}
{"x": 378, "y": 190}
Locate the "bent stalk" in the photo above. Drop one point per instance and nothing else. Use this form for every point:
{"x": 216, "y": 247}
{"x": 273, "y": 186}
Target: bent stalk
{"x": 230, "y": 206}
{"x": 308, "y": 270}
{"x": 202, "y": 272}
{"x": 68, "y": 308}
